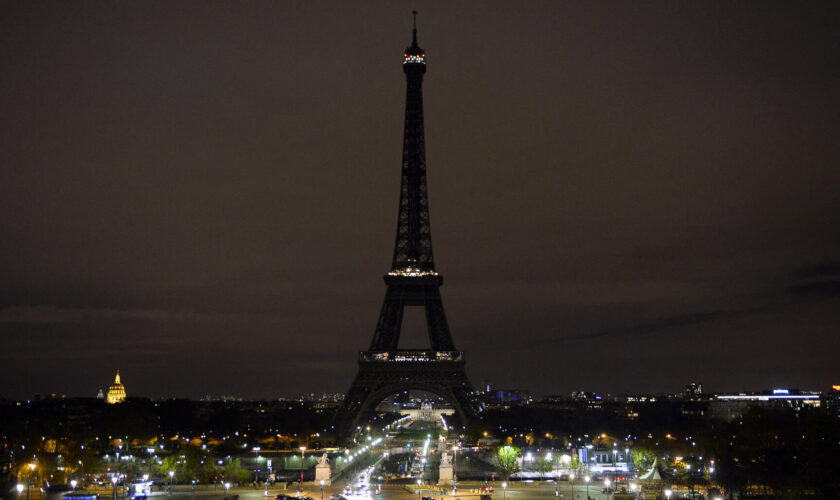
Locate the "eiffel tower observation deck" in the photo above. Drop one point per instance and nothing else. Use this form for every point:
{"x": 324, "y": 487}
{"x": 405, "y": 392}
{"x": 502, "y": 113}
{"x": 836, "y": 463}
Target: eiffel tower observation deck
{"x": 385, "y": 369}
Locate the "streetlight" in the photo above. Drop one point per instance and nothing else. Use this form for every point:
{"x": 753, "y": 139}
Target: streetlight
{"x": 322, "y": 489}
{"x": 31, "y": 471}
{"x": 227, "y": 488}
{"x": 667, "y": 493}
{"x": 607, "y": 487}
{"x": 586, "y": 479}
{"x": 73, "y": 484}
{"x": 114, "y": 480}
{"x": 572, "y": 479}
{"x": 300, "y": 486}
{"x": 615, "y": 463}
{"x": 19, "y": 489}
{"x": 171, "y": 473}
{"x": 504, "y": 490}
{"x": 454, "y": 461}
{"x": 268, "y": 476}
{"x": 419, "y": 482}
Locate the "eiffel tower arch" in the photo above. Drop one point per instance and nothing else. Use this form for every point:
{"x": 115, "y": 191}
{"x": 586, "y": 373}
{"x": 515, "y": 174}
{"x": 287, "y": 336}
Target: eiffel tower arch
{"x": 385, "y": 369}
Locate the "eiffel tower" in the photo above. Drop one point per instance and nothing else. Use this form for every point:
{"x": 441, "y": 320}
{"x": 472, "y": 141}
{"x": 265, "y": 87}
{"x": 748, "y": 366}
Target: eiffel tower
{"x": 385, "y": 369}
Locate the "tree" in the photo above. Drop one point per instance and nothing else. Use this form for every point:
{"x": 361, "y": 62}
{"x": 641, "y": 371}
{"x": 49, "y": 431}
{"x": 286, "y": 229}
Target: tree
{"x": 545, "y": 464}
{"x": 688, "y": 472}
{"x": 506, "y": 461}
{"x": 198, "y": 464}
{"x": 576, "y": 464}
{"x": 643, "y": 458}
{"x": 169, "y": 464}
{"x": 79, "y": 459}
{"x": 234, "y": 471}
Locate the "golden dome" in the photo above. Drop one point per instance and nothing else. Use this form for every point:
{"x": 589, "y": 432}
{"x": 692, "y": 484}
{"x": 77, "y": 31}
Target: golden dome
{"x": 116, "y": 392}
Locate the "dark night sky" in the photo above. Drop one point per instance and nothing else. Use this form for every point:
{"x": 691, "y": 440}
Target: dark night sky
{"x": 624, "y": 196}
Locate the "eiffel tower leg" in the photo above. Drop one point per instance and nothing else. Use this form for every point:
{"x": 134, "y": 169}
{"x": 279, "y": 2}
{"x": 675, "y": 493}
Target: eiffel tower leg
{"x": 349, "y": 412}
{"x": 439, "y": 335}
{"x": 388, "y": 328}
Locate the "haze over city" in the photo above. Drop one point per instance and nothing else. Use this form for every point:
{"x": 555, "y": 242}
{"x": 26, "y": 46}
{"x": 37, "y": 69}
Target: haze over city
{"x": 625, "y": 197}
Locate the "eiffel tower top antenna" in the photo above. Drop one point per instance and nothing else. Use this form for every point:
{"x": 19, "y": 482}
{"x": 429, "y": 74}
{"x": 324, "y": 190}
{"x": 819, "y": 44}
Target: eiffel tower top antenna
{"x": 414, "y": 32}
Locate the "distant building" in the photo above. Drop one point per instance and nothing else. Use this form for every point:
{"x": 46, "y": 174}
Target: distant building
{"x": 507, "y": 397}
{"x": 693, "y": 391}
{"x": 100, "y": 394}
{"x": 731, "y": 406}
{"x": 116, "y": 393}
{"x": 604, "y": 460}
{"x": 590, "y": 399}
{"x": 830, "y": 400}
{"x": 323, "y": 398}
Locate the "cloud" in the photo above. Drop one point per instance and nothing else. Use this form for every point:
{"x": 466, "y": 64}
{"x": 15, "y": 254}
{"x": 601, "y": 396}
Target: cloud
{"x": 822, "y": 288}
{"x": 821, "y": 270}
{"x": 52, "y": 315}
{"x": 820, "y": 280}
{"x": 668, "y": 323}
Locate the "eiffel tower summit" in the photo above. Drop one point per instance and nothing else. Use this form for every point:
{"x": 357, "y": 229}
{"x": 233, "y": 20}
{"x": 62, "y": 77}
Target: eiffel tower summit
{"x": 384, "y": 368}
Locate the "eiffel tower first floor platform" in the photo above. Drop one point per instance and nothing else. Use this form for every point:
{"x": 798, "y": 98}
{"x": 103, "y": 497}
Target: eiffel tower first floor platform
{"x": 384, "y": 373}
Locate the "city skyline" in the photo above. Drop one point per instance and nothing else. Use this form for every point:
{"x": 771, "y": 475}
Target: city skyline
{"x": 503, "y": 394}
{"x": 625, "y": 198}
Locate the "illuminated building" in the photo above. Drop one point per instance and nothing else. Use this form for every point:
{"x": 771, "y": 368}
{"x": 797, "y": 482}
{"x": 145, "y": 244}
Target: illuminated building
{"x": 116, "y": 393}
{"x": 830, "y": 400}
{"x": 605, "y": 460}
{"x": 731, "y": 406}
{"x": 693, "y": 391}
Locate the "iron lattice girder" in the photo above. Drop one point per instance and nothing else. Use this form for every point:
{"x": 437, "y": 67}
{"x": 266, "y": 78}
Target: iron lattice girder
{"x": 412, "y": 291}
{"x": 378, "y": 379}
{"x": 413, "y": 247}
{"x": 385, "y": 369}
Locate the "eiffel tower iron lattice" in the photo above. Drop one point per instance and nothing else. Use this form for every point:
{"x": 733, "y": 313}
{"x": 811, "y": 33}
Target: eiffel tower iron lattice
{"x": 385, "y": 369}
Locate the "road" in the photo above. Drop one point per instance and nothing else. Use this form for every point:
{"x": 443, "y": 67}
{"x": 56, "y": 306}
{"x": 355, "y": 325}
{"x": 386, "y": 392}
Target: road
{"x": 513, "y": 492}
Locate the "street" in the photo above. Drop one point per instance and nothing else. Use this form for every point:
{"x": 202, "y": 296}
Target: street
{"x": 388, "y": 492}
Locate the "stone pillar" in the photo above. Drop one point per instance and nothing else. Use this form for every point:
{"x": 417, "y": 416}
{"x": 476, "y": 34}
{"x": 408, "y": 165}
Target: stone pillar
{"x": 322, "y": 472}
{"x": 445, "y": 477}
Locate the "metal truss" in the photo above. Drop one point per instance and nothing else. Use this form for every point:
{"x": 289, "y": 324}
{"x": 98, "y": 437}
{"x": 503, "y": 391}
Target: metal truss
{"x": 384, "y": 369}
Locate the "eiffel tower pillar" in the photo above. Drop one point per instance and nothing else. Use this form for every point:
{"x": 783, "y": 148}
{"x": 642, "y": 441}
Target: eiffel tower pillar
{"x": 385, "y": 369}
